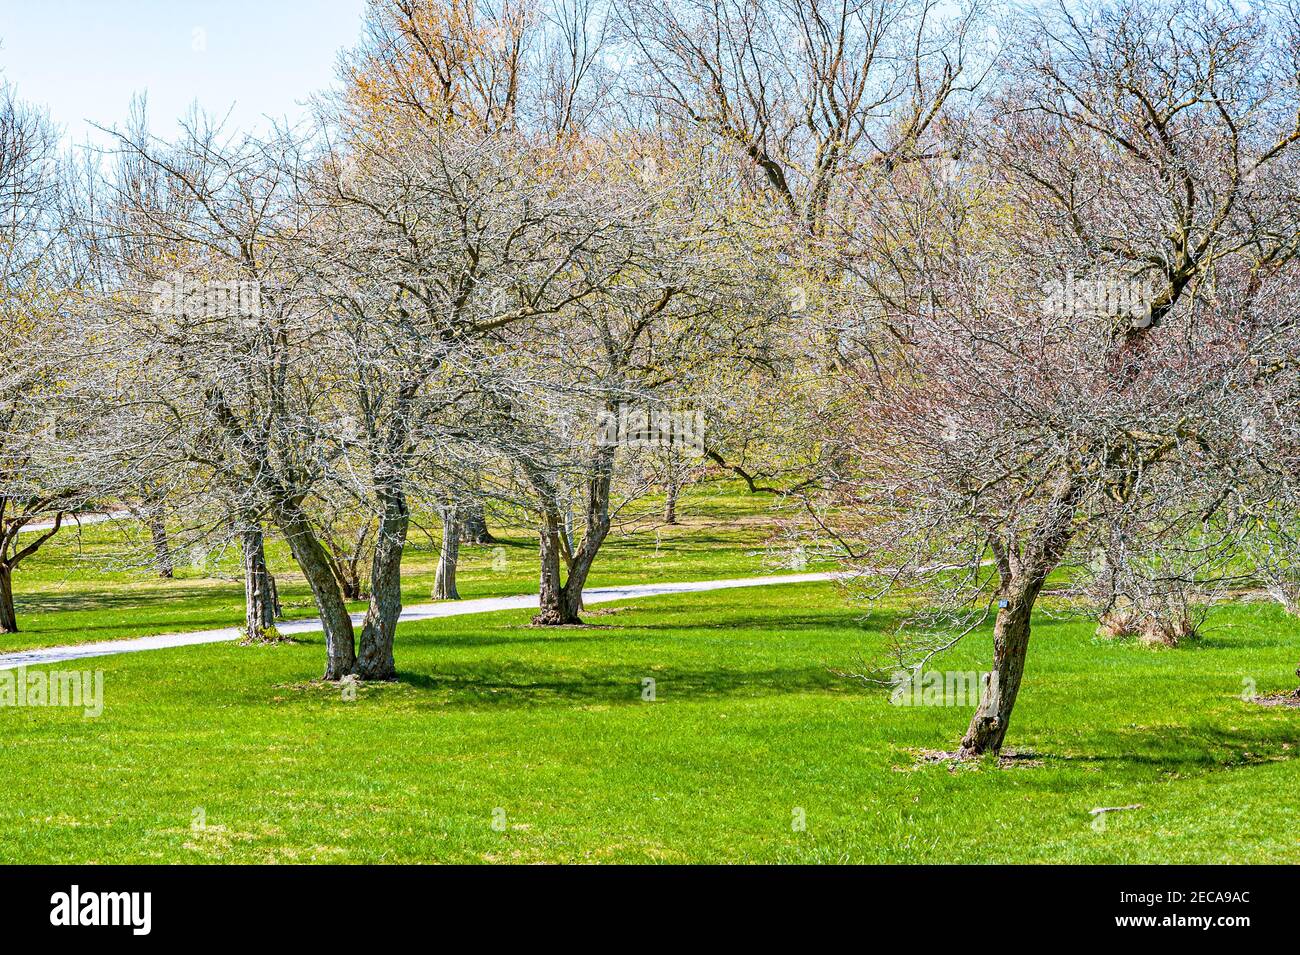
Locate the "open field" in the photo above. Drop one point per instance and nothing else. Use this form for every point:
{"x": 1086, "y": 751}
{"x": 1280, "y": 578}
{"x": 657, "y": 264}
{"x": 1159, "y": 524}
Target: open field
{"x": 546, "y": 734}
{"x": 88, "y": 585}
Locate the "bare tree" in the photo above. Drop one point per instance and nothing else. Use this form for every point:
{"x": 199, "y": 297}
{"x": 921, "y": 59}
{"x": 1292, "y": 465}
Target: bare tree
{"x": 229, "y": 383}
{"x": 805, "y": 92}
{"x": 38, "y": 485}
{"x": 1068, "y": 332}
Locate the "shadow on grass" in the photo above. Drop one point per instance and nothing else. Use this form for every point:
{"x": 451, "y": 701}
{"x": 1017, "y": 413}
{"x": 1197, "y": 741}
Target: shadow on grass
{"x": 524, "y": 686}
{"x": 215, "y": 594}
{"x": 760, "y": 626}
{"x": 1190, "y": 748}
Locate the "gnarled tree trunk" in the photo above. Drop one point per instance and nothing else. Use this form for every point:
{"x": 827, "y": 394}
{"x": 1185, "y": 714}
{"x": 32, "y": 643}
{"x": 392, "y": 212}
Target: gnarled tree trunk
{"x": 1021, "y": 585}
{"x": 375, "y": 657}
{"x": 988, "y": 727}
{"x": 444, "y": 583}
{"x": 340, "y": 638}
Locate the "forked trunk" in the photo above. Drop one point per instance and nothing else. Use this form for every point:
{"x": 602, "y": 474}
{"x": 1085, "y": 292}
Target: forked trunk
{"x": 8, "y": 616}
{"x": 558, "y": 603}
{"x": 340, "y": 638}
{"x": 375, "y": 657}
{"x": 444, "y": 583}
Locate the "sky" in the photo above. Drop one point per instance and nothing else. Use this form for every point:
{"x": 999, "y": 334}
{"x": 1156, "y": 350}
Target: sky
{"x": 85, "y": 60}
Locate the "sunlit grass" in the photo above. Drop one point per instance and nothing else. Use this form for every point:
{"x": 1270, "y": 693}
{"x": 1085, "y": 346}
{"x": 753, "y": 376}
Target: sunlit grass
{"x": 548, "y": 729}
{"x": 92, "y": 584}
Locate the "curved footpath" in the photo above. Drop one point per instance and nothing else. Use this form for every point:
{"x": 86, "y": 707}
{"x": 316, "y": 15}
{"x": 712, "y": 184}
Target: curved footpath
{"x": 594, "y": 595}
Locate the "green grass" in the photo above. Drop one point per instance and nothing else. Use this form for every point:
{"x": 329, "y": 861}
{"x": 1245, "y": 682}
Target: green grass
{"x": 89, "y": 585}
{"x": 749, "y": 725}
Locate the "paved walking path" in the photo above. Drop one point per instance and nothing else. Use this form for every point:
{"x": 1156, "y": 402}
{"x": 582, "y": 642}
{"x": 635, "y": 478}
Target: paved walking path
{"x": 72, "y": 520}
{"x": 594, "y": 595}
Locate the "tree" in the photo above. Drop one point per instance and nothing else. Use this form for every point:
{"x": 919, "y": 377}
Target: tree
{"x": 804, "y": 92}
{"x": 219, "y": 374}
{"x": 1069, "y": 330}
{"x": 37, "y": 272}
{"x": 444, "y": 583}
{"x": 626, "y": 371}
{"x": 427, "y": 243}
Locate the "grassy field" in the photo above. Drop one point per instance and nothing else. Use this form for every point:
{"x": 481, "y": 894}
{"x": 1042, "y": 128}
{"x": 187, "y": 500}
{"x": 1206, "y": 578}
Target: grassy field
{"x": 506, "y": 743}
{"x": 88, "y": 585}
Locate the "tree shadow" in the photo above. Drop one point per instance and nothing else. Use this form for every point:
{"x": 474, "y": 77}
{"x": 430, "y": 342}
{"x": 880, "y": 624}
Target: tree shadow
{"x": 525, "y": 686}
{"x": 1196, "y": 748}
{"x": 32, "y": 604}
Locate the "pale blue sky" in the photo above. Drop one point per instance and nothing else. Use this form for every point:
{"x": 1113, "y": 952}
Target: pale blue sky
{"x": 84, "y": 60}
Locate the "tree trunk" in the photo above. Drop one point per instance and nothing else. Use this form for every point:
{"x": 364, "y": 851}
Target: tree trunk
{"x": 561, "y": 604}
{"x": 8, "y": 616}
{"x": 473, "y": 525}
{"x": 988, "y": 727}
{"x": 444, "y": 584}
{"x": 1019, "y": 591}
{"x": 340, "y": 638}
{"x": 558, "y": 603}
{"x": 261, "y": 600}
{"x": 277, "y": 610}
{"x": 349, "y": 578}
{"x": 8, "y": 540}
{"x": 670, "y": 501}
{"x": 161, "y": 546}
{"x": 375, "y": 658}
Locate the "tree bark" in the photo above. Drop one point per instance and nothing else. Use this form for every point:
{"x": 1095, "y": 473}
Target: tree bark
{"x": 375, "y": 657}
{"x": 988, "y": 727}
{"x": 444, "y": 584}
{"x": 8, "y": 615}
{"x": 473, "y": 525}
{"x": 161, "y": 546}
{"x": 1021, "y": 584}
{"x": 349, "y": 577}
{"x": 559, "y": 603}
{"x": 670, "y": 501}
{"x": 11, "y": 555}
{"x": 261, "y": 599}
{"x": 340, "y": 638}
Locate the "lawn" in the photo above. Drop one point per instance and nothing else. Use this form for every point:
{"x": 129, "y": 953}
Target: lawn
{"x": 505, "y": 743}
{"x": 89, "y": 584}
